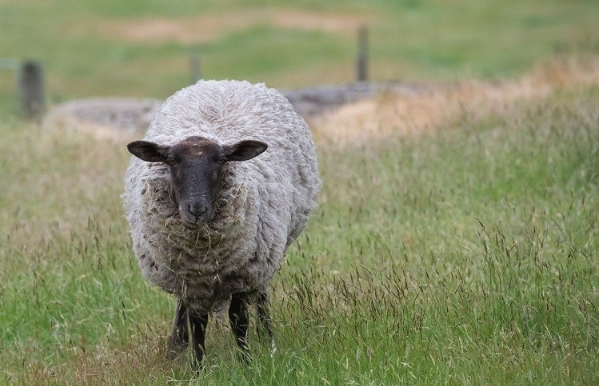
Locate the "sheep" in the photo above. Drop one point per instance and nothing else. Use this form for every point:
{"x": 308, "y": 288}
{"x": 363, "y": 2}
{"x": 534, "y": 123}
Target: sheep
{"x": 223, "y": 182}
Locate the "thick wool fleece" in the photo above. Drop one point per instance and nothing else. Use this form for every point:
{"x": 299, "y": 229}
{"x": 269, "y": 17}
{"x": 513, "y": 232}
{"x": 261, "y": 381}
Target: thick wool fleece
{"x": 262, "y": 207}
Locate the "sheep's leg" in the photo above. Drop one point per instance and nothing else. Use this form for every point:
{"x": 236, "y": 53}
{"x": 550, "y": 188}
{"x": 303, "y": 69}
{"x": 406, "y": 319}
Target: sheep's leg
{"x": 265, "y": 329}
{"x": 180, "y": 334}
{"x": 239, "y": 318}
{"x": 198, "y": 333}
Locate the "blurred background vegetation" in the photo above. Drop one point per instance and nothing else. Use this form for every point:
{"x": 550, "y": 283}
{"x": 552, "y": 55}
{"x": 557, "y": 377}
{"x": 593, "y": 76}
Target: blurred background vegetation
{"x": 143, "y": 48}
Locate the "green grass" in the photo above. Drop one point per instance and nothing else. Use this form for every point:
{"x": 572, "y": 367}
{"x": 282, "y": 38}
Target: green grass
{"x": 463, "y": 258}
{"x": 410, "y": 40}
{"x": 467, "y": 257}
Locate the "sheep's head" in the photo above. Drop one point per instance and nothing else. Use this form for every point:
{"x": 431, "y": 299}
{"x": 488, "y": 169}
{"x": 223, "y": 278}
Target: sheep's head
{"x": 196, "y": 166}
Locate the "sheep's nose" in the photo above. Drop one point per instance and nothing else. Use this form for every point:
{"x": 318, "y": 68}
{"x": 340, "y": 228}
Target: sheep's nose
{"x": 195, "y": 213}
{"x": 197, "y": 210}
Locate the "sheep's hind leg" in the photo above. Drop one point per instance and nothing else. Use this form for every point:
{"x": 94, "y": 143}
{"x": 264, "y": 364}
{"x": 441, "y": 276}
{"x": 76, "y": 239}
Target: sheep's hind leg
{"x": 265, "y": 330}
{"x": 180, "y": 335}
{"x": 239, "y": 318}
{"x": 198, "y": 333}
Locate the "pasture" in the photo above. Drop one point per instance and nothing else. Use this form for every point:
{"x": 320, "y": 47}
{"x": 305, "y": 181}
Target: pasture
{"x": 142, "y": 48}
{"x": 457, "y": 232}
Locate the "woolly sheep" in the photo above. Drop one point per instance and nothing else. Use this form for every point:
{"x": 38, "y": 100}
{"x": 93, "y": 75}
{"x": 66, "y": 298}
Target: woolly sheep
{"x": 223, "y": 182}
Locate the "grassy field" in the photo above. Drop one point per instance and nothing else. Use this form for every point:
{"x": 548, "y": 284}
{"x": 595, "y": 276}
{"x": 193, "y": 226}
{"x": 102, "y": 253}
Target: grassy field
{"x": 457, "y": 232}
{"x": 464, "y": 257}
{"x": 142, "y": 48}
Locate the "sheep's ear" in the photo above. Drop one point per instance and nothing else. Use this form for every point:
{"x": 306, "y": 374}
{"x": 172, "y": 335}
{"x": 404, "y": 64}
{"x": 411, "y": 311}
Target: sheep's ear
{"x": 148, "y": 151}
{"x": 244, "y": 150}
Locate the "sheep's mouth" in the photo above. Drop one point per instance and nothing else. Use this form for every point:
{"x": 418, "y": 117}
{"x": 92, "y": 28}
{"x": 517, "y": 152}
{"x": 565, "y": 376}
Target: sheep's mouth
{"x": 193, "y": 222}
{"x": 189, "y": 225}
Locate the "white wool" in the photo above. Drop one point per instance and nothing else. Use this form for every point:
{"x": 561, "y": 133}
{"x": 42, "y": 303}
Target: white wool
{"x": 263, "y": 205}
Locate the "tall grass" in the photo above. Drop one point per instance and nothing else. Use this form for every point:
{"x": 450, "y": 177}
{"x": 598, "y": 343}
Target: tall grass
{"x": 467, "y": 257}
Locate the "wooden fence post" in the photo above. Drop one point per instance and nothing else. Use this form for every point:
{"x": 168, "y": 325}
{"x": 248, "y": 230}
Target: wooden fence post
{"x": 31, "y": 90}
{"x": 195, "y": 68}
{"x": 362, "y": 59}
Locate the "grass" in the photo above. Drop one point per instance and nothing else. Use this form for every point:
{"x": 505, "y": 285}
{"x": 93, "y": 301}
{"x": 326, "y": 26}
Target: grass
{"x": 466, "y": 257}
{"x": 456, "y": 236}
{"x": 86, "y": 51}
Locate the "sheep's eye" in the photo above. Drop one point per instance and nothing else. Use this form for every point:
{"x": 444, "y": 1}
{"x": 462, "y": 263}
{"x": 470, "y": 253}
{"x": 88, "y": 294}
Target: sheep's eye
{"x": 171, "y": 161}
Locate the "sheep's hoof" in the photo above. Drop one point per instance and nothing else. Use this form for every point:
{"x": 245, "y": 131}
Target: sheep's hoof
{"x": 197, "y": 365}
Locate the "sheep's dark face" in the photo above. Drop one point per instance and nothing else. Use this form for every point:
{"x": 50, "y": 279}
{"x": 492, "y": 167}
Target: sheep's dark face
{"x": 196, "y": 166}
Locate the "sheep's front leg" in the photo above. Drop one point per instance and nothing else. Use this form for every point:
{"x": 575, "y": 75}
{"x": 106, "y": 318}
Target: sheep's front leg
{"x": 239, "y": 318}
{"x": 180, "y": 335}
{"x": 265, "y": 329}
{"x": 198, "y": 333}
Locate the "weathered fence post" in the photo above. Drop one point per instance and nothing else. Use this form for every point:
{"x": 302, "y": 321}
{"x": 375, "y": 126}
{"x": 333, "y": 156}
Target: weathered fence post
{"x": 362, "y": 59}
{"x": 31, "y": 90}
{"x": 195, "y": 68}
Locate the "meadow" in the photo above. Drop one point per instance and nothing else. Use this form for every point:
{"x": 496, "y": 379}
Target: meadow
{"x": 142, "y": 48}
{"x": 455, "y": 240}
{"x": 464, "y": 257}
